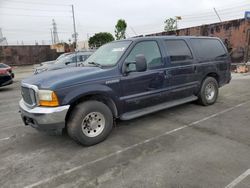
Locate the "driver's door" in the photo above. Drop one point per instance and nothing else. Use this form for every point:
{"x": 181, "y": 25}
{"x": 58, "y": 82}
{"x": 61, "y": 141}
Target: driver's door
{"x": 142, "y": 89}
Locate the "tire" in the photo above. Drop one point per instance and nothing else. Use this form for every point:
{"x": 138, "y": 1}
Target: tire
{"x": 209, "y": 92}
{"x": 90, "y": 123}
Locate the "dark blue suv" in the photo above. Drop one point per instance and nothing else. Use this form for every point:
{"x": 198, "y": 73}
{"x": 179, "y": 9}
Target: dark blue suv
{"x": 125, "y": 79}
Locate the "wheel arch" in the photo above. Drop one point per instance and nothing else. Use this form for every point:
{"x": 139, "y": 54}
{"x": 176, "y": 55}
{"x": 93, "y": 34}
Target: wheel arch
{"x": 98, "y": 97}
{"x": 214, "y": 75}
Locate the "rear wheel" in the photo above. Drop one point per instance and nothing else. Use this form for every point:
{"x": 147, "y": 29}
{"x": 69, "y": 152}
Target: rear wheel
{"x": 90, "y": 123}
{"x": 209, "y": 91}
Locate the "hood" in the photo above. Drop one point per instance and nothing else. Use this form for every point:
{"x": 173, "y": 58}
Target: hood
{"x": 51, "y": 66}
{"x": 47, "y": 63}
{"x": 65, "y": 77}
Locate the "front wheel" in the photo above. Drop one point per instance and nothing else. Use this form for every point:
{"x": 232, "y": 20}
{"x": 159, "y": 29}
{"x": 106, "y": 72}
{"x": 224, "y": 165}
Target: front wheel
{"x": 90, "y": 123}
{"x": 209, "y": 91}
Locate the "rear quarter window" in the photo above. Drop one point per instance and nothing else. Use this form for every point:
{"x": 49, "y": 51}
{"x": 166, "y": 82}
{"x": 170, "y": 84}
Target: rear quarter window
{"x": 207, "y": 49}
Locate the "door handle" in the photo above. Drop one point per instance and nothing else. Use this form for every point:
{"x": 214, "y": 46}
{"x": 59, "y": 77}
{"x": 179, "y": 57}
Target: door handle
{"x": 195, "y": 68}
{"x": 166, "y": 74}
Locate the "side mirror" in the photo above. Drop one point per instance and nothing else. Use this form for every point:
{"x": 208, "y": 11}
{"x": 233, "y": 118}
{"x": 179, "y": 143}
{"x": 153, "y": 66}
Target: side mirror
{"x": 140, "y": 63}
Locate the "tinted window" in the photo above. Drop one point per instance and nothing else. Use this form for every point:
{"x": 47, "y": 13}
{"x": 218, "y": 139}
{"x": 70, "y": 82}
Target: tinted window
{"x": 178, "y": 50}
{"x": 80, "y": 58}
{"x": 151, "y": 52}
{"x": 84, "y": 57}
{"x": 208, "y": 48}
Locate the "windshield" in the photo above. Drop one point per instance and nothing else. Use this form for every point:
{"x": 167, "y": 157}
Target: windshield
{"x": 109, "y": 54}
{"x": 65, "y": 59}
{"x": 3, "y": 65}
{"x": 62, "y": 56}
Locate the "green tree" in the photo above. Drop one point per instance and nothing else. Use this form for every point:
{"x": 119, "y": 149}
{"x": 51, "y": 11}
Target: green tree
{"x": 120, "y": 29}
{"x": 99, "y": 39}
{"x": 170, "y": 24}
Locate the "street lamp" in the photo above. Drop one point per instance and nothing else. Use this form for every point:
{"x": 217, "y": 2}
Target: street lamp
{"x": 177, "y": 18}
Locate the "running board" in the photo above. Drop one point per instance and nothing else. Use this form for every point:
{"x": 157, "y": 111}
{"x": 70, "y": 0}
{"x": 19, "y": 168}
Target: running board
{"x": 151, "y": 109}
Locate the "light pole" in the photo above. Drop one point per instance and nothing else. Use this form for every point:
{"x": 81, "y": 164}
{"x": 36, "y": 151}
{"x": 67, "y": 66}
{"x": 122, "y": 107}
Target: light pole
{"x": 74, "y": 26}
{"x": 177, "y": 18}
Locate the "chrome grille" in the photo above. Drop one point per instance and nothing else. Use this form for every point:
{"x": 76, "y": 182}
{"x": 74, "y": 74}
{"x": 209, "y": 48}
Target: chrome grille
{"x": 29, "y": 96}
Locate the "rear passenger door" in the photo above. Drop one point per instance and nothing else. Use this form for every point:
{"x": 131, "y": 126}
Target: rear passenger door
{"x": 181, "y": 68}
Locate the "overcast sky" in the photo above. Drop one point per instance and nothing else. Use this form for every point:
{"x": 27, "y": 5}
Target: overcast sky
{"x": 27, "y": 20}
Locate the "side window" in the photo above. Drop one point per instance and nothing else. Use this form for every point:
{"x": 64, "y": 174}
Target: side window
{"x": 213, "y": 46}
{"x": 85, "y": 57}
{"x": 79, "y": 58}
{"x": 151, "y": 52}
{"x": 73, "y": 59}
{"x": 178, "y": 50}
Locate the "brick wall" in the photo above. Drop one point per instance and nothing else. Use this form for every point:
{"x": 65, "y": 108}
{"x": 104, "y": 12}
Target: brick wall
{"x": 235, "y": 34}
{"x": 26, "y": 55}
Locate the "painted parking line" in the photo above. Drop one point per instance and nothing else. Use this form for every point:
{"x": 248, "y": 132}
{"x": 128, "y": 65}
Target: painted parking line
{"x": 238, "y": 179}
{"x": 10, "y": 127}
{"x": 6, "y": 138}
{"x": 41, "y": 182}
{"x": 13, "y": 104}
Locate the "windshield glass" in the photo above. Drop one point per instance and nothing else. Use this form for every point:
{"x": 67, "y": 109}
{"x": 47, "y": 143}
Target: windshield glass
{"x": 65, "y": 59}
{"x": 62, "y": 56}
{"x": 109, "y": 54}
{"x": 3, "y": 65}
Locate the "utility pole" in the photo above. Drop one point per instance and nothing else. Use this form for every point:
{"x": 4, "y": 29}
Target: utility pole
{"x": 74, "y": 25}
{"x": 176, "y": 19}
{"x": 3, "y": 40}
{"x": 55, "y": 34}
{"x": 51, "y": 32}
{"x": 217, "y": 14}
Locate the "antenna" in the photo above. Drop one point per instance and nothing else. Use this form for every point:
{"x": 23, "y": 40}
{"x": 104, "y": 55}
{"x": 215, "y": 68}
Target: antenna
{"x": 217, "y": 14}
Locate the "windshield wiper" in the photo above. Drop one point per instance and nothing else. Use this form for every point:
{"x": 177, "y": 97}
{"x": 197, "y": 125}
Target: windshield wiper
{"x": 223, "y": 55}
{"x": 94, "y": 63}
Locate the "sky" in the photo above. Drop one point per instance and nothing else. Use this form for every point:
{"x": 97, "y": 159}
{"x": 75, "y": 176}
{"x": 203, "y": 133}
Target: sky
{"x": 28, "y": 21}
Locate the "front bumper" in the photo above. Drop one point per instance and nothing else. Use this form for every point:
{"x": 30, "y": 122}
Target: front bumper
{"x": 44, "y": 118}
{"x": 5, "y": 80}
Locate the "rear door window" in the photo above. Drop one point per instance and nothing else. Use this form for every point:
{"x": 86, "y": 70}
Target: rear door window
{"x": 178, "y": 50}
{"x": 207, "y": 49}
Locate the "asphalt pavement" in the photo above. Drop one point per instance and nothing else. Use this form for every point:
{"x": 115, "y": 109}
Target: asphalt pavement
{"x": 189, "y": 146}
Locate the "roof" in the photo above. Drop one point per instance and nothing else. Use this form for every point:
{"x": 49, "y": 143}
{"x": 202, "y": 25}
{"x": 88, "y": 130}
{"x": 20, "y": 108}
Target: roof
{"x": 167, "y": 37}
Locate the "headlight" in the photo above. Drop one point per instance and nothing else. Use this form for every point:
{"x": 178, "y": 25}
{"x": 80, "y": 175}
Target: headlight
{"x": 47, "y": 98}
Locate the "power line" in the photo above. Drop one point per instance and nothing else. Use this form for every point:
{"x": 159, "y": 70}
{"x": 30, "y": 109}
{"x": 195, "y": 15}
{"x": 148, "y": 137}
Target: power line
{"x": 207, "y": 12}
{"x": 30, "y": 31}
{"x": 34, "y": 15}
{"x": 232, "y": 12}
{"x": 214, "y": 20}
{"x": 31, "y": 9}
{"x": 212, "y": 13}
{"x": 36, "y": 3}
{"x": 214, "y": 17}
